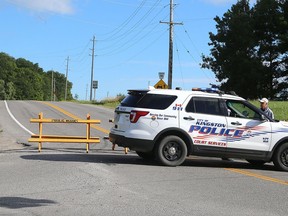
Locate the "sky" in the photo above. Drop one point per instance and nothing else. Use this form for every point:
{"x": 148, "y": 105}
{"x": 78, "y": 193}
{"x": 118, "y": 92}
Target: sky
{"x": 131, "y": 44}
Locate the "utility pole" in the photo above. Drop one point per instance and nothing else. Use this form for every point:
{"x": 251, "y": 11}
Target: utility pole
{"x": 171, "y": 25}
{"x": 92, "y": 68}
{"x": 54, "y": 89}
{"x": 67, "y": 64}
{"x": 52, "y": 86}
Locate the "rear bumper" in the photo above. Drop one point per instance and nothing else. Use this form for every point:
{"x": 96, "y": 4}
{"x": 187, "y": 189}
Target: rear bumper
{"x": 140, "y": 145}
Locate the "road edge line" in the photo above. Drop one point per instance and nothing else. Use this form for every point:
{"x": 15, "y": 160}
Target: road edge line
{"x": 13, "y": 117}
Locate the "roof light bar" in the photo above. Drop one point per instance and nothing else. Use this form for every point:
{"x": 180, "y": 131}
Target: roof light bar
{"x": 210, "y": 90}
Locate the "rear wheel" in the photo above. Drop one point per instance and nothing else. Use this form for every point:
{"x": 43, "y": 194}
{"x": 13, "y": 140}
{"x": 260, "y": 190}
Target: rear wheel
{"x": 171, "y": 151}
{"x": 280, "y": 158}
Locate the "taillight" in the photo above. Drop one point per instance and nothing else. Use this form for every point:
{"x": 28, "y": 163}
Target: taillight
{"x": 135, "y": 115}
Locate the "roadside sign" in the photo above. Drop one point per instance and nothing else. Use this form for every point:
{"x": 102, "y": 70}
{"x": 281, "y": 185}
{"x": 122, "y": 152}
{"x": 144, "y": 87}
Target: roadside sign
{"x": 95, "y": 84}
{"x": 161, "y": 85}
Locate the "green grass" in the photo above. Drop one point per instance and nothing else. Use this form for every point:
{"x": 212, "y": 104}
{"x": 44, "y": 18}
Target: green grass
{"x": 109, "y": 103}
{"x": 279, "y": 108}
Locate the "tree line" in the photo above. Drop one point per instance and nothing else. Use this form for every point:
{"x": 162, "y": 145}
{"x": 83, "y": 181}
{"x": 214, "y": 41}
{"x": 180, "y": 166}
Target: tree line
{"x": 21, "y": 79}
{"x": 249, "y": 53}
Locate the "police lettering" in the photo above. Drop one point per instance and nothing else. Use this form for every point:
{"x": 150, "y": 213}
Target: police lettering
{"x": 216, "y": 131}
{"x": 212, "y": 124}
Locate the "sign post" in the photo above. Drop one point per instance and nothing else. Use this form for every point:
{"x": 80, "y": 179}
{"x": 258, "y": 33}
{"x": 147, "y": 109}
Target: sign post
{"x": 95, "y": 86}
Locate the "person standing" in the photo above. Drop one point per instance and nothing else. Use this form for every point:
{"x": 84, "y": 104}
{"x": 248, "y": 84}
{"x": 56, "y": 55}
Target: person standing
{"x": 264, "y": 107}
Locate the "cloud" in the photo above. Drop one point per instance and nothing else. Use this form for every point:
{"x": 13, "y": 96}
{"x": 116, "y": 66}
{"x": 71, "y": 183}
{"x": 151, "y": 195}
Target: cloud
{"x": 53, "y": 6}
{"x": 219, "y": 2}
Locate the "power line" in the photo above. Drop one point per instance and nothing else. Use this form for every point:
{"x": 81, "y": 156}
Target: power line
{"x": 125, "y": 23}
{"x": 131, "y": 35}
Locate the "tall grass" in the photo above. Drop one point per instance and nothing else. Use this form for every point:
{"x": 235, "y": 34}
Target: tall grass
{"x": 279, "y": 108}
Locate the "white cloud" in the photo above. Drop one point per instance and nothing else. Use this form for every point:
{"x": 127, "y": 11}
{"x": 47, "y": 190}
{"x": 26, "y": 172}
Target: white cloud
{"x": 54, "y": 6}
{"x": 218, "y": 2}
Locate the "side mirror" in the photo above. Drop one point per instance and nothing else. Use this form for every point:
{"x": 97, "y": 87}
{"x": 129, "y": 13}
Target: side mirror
{"x": 245, "y": 113}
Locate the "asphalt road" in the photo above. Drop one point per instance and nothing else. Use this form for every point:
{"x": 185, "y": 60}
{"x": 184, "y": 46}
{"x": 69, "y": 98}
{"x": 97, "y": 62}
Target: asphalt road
{"x": 64, "y": 180}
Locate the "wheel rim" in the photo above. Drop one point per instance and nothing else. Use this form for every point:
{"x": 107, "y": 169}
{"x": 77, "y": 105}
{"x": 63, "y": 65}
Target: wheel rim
{"x": 172, "y": 151}
{"x": 284, "y": 157}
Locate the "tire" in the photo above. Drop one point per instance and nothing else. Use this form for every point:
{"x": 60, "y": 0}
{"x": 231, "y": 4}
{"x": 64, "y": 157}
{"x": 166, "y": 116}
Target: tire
{"x": 171, "y": 151}
{"x": 257, "y": 162}
{"x": 146, "y": 155}
{"x": 280, "y": 158}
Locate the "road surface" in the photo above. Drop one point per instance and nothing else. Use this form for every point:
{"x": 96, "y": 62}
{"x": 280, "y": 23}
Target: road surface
{"x": 64, "y": 180}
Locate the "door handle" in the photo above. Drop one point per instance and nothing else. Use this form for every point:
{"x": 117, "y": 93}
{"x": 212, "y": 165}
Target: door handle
{"x": 236, "y": 123}
{"x": 188, "y": 118}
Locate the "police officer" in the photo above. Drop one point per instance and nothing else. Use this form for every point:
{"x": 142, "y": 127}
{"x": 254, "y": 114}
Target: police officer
{"x": 264, "y": 107}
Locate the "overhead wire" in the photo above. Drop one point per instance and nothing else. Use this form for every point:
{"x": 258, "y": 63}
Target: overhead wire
{"x": 138, "y": 53}
{"x": 125, "y": 23}
{"x": 79, "y": 57}
{"x": 180, "y": 65}
{"x": 131, "y": 35}
{"x": 192, "y": 57}
{"x": 137, "y": 38}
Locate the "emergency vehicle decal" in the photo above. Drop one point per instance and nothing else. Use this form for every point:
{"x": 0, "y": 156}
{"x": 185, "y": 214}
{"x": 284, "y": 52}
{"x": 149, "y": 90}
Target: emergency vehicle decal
{"x": 214, "y": 133}
{"x": 159, "y": 116}
{"x": 177, "y": 107}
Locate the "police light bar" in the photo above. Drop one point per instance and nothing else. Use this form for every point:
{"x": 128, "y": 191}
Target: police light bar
{"x": 209, "y": 90}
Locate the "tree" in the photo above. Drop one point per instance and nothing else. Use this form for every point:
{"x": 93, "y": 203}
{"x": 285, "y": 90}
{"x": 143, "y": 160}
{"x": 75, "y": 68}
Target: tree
{"x": 232, "y": 47}
{"x": 246, "y": 55}
{"x": 10, "y": 91}
{"x": 268, "y": 24}
{"x": 7, "y": 67}
{"x": 24, "y": 80}
{"x": 2, "y": 90}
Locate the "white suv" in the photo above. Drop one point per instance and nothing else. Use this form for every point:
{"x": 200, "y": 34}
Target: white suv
{"x": 171, "y": 124}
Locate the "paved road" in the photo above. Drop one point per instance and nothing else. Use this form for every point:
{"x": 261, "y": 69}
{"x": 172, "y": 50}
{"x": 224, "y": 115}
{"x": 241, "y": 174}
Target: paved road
{"x": 64, "y": 180}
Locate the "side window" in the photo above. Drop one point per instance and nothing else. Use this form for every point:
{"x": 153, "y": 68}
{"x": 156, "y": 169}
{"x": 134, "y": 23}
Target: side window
{"x": 205, "y": 106}
{"x": 156, "y": 101}
{"x": 241, "y": 110}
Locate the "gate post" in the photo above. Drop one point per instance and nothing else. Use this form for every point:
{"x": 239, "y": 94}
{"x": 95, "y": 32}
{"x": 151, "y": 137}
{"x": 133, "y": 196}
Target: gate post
{"x": 87, "y": 132}
{"x": 40, "y": 116}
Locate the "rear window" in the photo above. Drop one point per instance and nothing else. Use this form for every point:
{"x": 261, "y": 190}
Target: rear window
{"x": 132, "y": 98}
{"x": 156, "y": 101}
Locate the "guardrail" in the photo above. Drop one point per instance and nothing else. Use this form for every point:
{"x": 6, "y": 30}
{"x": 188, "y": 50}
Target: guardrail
{"x": 40, "y": 138}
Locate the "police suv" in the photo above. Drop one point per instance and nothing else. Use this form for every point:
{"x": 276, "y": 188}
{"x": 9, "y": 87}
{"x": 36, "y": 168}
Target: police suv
{"x": 169, "y": 125}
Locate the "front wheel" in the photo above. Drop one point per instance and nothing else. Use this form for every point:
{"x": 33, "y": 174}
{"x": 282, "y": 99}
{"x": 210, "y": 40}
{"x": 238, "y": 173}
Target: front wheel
{"x": 280, "y": 158}
{"x": 171, "y": 151}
